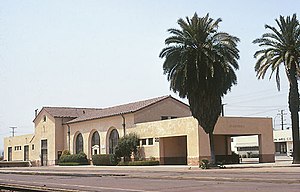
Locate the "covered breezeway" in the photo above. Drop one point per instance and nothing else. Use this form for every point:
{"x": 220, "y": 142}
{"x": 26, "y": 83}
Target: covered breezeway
{"x": 229, "y": 127}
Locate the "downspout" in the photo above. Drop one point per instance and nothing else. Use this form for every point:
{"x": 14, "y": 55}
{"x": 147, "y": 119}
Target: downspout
{"x": 69, "y": 137}
{"x": 123, "y": 124}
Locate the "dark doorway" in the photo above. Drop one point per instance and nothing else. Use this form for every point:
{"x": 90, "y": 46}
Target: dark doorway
{"x": 44, "y": 153}
{"x": 26, "y": 153}
{"x": 173, "y": 150}
{"x": 9, "y": 158}
{"x": 281, "y": 148}
{"x": 59, "y": 153}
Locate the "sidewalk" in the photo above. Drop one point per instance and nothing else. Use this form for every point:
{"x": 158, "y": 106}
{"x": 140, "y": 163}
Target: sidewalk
{"x": 145, "y": 171}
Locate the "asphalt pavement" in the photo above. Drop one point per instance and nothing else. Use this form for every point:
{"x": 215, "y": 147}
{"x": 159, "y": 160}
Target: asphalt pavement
{"x": 249, "y": 172}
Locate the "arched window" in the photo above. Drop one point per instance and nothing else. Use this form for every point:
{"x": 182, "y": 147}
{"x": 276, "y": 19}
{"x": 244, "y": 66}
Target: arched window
{"x": 79, "y": 143}
{"x": 95, "y": 143}
{"x": 113, "y": 141}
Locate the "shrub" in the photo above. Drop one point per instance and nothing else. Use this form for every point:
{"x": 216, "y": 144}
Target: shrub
{"x": 204, "y": 164}
{"x": 139, "y": 163}
{"x": 126, "y": 146}
{"x": 254, "y": 155}
{"x": 104, "y": 159}
{"x": 80, "y": 158}
{"x": 68, "y": 164}
{"x": 66, "y": 152}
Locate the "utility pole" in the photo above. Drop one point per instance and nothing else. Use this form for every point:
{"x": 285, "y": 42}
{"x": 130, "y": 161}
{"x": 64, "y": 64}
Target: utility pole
{"x": 13, "y": 131}
{"x": 282, "y": 119}
{"x": 222, "y": 109}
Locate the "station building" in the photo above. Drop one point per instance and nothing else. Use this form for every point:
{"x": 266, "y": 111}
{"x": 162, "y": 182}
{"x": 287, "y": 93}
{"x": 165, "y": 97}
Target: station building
{"x": 167, "y": 131}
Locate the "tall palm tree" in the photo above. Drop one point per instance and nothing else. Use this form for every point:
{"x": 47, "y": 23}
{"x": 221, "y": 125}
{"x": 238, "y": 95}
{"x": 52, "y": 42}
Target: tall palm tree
{"x": 282, "y": 47}
{"x": 200, "y": 64}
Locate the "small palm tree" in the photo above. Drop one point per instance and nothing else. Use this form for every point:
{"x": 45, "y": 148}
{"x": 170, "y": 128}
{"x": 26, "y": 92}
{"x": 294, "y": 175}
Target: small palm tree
{"x": 200, "y": 63}
{"x": 282, "y": 47}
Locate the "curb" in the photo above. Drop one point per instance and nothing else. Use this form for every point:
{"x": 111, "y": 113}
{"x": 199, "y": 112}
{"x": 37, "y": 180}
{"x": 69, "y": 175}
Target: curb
{"x": 199, "y": 178}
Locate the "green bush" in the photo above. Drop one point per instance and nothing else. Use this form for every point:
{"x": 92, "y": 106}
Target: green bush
{"x": 139, "y": 163}
{"x": 126, "y": 146}
{"x": 254, "y": 155}
{"x": 204, "y": 164}
{"x": 66, "y": 152}
{"x": 80, "y": 158}
{"x": 68, "y": 164}
{"x": 104, "y": 159}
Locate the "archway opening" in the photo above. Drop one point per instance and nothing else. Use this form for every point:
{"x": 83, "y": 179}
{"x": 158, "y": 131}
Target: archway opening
{"x": 113, "y": 141}
{"x": 95, "y": 143}
{"x": 79, "y": 144}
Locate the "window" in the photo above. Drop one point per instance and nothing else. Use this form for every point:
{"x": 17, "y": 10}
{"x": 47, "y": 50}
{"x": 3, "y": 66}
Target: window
{"x": 150, "y": 141}
{"x": 164, "y": 117}
{"x": 95, "y": 143}
{"x": 79, "y": 143}
{"x": 113, "y": 141}
{"x": 95, "y": 139}
{"x": 143, "y": 141}
{"x": 18, "y": 148}
{"x": 168, "y": 117}
{"x": 44, "y": 144}
{"x": 251, "y": 148}
{"x": 32, "y": 147}
{"x": 44, "y": 118}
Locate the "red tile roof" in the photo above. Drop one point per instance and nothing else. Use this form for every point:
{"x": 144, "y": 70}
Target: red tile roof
{"x": 83, "y": 114}
{"x": 118, "y": 110}
{"x": 68, "y": 111}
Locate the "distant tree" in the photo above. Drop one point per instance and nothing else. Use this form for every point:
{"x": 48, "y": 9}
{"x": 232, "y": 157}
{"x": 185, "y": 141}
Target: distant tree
{"x": 200, "y": 63}
{"x": 281, "y": 47}
{"x": 126, "y": 146}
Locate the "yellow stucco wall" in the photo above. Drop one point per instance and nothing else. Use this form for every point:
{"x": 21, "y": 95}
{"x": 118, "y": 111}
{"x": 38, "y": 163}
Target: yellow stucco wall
{"x": 103, "y": 126}
{"x": 169, "y": 128}
{"x": 168, "y": 107}
{"x": 23, "y": 140}
{"x": 45, "y": 130}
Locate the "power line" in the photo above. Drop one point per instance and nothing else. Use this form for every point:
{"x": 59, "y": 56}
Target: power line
{"x": 258, "y": 93}
{"x": 262, "y": 112}
{"x": 254, "y": 99}
{"x": 257, "y": 106}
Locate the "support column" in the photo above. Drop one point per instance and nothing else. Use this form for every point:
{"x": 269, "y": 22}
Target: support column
{"x": 266, "y": 148}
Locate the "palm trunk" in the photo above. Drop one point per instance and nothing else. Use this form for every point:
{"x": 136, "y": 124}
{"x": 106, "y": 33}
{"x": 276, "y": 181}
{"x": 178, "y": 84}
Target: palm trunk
{"x": 294, "y": 109}
{"x": 212, "y": 148}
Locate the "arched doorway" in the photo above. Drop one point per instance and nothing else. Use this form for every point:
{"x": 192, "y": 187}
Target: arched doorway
{"x": 95, "y": 143}
{"x": 113, "y": 141}
{"x": 79, "y": 143}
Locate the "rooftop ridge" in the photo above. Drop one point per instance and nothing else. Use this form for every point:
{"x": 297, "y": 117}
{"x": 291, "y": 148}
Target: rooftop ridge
{"x": 120, "y": 109}
{"x": 58, "y": 107}
{"x": 144, "y": 100}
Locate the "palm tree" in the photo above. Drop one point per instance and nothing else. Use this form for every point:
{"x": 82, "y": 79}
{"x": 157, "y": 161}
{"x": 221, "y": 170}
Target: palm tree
{"x": 200, "y": 64}
{"x": 282, "y": 47}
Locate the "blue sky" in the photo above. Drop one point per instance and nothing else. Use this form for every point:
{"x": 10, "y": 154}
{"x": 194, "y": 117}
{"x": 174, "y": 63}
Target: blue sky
{"x": 102, "y": 53}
